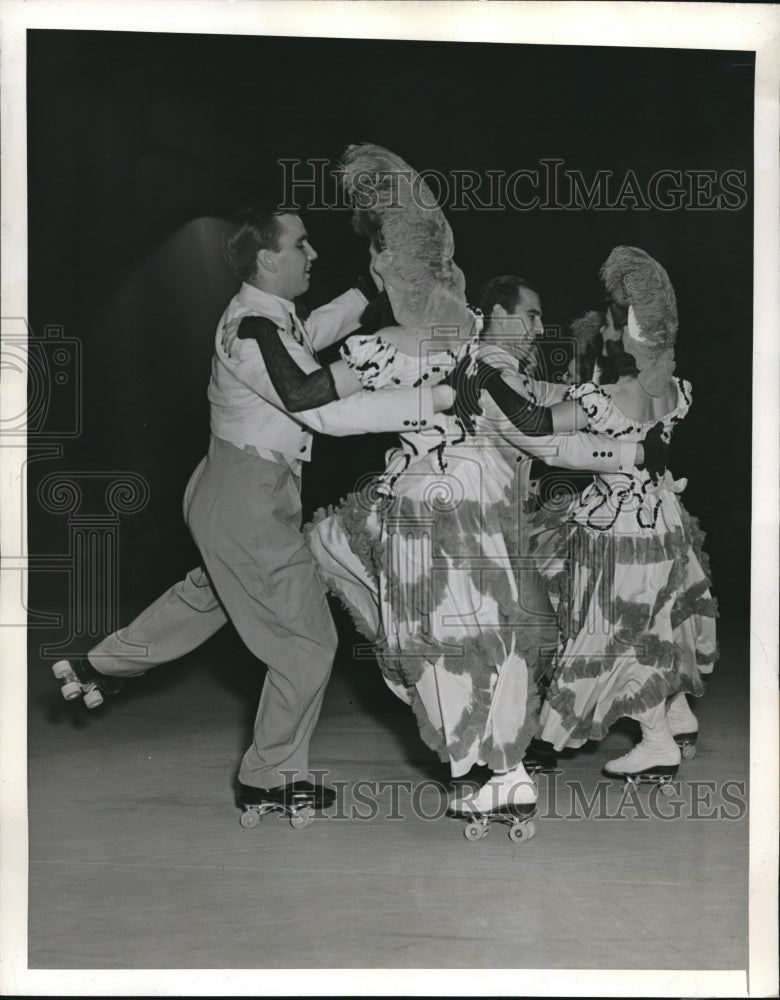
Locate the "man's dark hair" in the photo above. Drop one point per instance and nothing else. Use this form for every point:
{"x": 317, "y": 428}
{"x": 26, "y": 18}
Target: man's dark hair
{"x": 504, "y": 291}
{"x": 253, "y": 228}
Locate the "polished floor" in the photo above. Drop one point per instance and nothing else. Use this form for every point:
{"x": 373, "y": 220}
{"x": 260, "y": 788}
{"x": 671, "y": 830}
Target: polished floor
{"x": 138, "y": 860}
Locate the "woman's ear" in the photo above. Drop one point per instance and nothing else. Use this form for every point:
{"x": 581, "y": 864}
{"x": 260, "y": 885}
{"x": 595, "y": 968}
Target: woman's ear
{"x": 459, "y": 279}
{"x": 383, "y": 264}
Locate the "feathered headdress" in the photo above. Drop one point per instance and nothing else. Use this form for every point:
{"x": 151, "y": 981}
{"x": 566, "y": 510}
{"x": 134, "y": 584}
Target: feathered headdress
{"x": 634, "y": 280}
{"x": 393, "y": 206}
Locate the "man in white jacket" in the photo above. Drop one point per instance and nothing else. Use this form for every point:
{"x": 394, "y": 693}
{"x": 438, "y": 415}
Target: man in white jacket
{"x": 242, "y": 505}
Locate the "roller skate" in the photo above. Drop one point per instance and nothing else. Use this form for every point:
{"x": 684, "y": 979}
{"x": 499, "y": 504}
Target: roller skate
{"x": 299, "y": 800}
{"x": 507, "y": 798}
{"x": 683, "y": 725}
{"x": 653, "y": 761}
{"x": 81, "y": 680}
{"x": 540, "y": 757}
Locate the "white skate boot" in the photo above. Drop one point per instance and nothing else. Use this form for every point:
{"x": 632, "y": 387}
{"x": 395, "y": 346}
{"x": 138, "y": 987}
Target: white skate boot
{"x": 683, "y": 724}
{"x": 655, "y": 759}
{"x": 506, "y": 798}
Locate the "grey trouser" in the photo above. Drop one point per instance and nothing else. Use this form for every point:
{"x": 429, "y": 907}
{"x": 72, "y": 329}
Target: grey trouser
{"x": 244, "y": 513}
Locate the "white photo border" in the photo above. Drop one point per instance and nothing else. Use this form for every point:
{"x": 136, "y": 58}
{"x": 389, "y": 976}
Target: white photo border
{"x": 752, "y": 27}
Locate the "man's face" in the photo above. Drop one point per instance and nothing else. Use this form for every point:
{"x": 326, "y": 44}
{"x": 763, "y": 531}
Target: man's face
{"x": 292, "y": 261}
{"x": 525, "y": 322}
{"x": 516, "y": 331}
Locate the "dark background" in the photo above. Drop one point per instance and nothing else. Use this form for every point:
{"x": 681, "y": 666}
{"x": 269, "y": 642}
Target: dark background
{"x": 139, "y": 144}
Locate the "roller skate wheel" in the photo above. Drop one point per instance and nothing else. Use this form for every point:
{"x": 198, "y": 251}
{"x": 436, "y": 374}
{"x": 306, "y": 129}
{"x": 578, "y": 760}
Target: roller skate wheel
{"x": 474, "y": 831}
{"x": 300, "y": 820}
{"x": 667, "y": 788}
{"x": 688, "y": 751}
{"x": 93, "y": 698}
{"x": 61, "y": 670}
{"x": 521, "y": 831}
{"x": 249, "y": 818}
{"x": 71, "y": 691}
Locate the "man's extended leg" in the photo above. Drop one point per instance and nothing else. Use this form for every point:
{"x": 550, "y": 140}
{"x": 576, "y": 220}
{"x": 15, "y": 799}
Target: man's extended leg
{"x": 176, "y": 623}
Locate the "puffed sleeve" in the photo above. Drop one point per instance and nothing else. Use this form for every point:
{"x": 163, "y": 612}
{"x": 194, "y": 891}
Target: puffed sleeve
{"x": 594, "y": 403}
{"x": 378, "y": 364}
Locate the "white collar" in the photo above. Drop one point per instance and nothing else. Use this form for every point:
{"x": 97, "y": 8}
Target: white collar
{"x": 272, "y": 306}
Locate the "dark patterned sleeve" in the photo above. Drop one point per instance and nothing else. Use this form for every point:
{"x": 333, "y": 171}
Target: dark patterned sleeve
{"x": 298, "y": 390}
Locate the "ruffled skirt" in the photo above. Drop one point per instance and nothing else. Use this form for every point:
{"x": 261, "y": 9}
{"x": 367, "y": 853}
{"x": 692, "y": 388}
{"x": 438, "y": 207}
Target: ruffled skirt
{"x": 461, "y": 621}
{"x": 636, "y": 615}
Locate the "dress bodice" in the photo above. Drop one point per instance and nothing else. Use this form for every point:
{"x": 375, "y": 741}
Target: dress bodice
{"x": 625, "y": 501}
{"x": 604, "y": 416}
{"x": 380, "y": 365}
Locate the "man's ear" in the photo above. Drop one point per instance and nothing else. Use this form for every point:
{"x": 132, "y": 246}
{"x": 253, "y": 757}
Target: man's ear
{"x": 499, "y": 312}
{"x": 266, "y": 260}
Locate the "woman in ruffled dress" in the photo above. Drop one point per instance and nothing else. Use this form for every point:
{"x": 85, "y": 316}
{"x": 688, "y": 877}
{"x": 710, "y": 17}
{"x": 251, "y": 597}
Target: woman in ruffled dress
{"x": 637, "y": 617}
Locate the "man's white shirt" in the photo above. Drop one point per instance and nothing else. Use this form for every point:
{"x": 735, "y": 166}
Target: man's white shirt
{"x": 246, "y": 409}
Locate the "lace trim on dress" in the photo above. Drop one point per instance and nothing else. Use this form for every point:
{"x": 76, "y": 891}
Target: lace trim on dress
{"x": 653, "y": 692}
{"x": 475, "y": 656}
